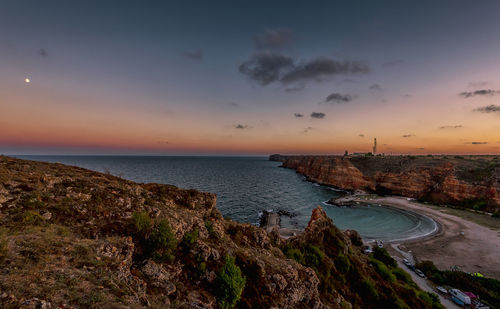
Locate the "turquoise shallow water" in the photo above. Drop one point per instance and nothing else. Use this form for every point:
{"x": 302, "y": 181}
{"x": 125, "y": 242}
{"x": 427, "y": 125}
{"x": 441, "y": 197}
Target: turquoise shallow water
{"x": 247, "y": 185}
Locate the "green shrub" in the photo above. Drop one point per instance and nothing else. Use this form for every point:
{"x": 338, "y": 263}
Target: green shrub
{"x": 427, "y": 267}
{"x": 31, "y": 201}
{"x": 367, "y": 290}
{"x": 402, "y": 275}
{"x": 382, "y": 255}
{"x": 313, "y": 256}
{"x": 295, "y": 254}
{"x": 210, "y": 229}
{"x": 142, "y": 223}
{"x": 496, "y": 214}
{"x": 190, "y": 239}
{"x": 229, "y": 284}
{"x": 342, "y": 263}
{"x": 32, "y": 217}
{"x": 163, "y": 241}
{"x": 382, "y": 270}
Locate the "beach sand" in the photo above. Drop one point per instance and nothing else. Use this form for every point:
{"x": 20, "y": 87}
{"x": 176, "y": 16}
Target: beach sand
{"x": 459, "y": 242}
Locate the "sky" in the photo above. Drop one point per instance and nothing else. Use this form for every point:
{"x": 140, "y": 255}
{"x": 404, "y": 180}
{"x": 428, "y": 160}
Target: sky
{"x": 249, "y": 77}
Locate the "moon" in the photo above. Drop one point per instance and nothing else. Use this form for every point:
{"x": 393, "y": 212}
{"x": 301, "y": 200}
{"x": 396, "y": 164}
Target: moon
{"x": 27, "y": 80}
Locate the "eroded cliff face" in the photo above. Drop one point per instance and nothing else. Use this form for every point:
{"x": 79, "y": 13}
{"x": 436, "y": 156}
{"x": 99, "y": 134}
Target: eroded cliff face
{"x": 74, "y": 238}
{"x": 440, "y": 179}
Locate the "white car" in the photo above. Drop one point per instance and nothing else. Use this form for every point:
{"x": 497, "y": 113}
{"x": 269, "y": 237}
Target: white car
{"x": 419, "y": 273}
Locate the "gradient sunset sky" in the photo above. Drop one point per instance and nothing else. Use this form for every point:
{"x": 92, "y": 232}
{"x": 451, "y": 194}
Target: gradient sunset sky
{"x": 249, "y": 77}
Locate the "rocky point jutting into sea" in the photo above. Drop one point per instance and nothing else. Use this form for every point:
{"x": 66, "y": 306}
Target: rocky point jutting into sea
{"x": 74, "y": 238}
{"x": 469, "y": 181}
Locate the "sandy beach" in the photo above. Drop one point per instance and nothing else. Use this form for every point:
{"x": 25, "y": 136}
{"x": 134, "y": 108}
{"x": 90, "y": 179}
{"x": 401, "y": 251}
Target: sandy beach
{"x": 459, "y": 242}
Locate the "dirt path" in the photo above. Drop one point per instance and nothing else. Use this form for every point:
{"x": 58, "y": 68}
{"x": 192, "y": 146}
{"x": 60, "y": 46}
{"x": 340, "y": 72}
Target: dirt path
{"x": 461, "y": 243}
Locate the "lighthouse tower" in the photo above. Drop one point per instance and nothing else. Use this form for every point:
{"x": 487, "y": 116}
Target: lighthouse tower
{"x": 374, "y": 146}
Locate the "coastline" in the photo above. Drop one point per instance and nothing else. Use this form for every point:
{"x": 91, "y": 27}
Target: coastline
{"x": 458, "y": 242}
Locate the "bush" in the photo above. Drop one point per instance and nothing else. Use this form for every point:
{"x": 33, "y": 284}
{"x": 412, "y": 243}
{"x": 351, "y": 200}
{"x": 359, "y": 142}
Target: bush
{"x": 163, "y": 242}
{"x": 496, "y": 214}
{"x": 382, "y": 270}
{"x": 32, "y": 217}
{"x": 367, "y": 290}
{"x": 342, "y": 263}
{"x": 402, "y": 275}
{"x": 382, "y": 255}
{"x": 229, "y": 284}
{"x": 295, "y": 254}
{"x": 314, "y": 256}
{"x": 190, "y": 239}
{"x": 210, "y": 229}
{"x": 142, "y": 223}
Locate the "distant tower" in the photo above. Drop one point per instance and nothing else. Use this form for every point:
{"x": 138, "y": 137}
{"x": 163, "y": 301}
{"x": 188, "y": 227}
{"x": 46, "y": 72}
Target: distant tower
{"x": 374, "y": 145}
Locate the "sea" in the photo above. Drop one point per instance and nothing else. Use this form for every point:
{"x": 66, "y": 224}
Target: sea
{"x": 245, "y": 186}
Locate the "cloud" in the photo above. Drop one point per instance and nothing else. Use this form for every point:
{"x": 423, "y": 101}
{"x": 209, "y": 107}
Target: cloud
{"x": 308, "y": 129}
{"x": 42, "y": 52}
{"x": 478, "y": 84}
{"x": 196, "y": 54}
{"x": 421, "y": 148}
{"x": 294, "y": 89}
{"x": 361, "y": 135}
{"x": 298, "y": 115}
{"x": 393, "y": 63}
{"x": 317, "y": 115}
{"x": 458, "y": 126}
{"x": 323, "y": 67}
{"x": 234, "y": 104}
{"x": 477, "y": 143}
{"x": 482, "y": 92}
{"x": 338, "y": 98}
{"x": 375, "y": 87}
{"x": 241, "y": 126}
{"x": 274, "y": 38}
{"x": 488, "y": 109}
{"x": 266, "y": 68}
{"x": 407, "y": 135}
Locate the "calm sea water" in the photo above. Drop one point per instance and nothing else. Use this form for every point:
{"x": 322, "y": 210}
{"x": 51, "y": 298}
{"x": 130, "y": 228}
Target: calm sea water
{"x": 247, "y": 185}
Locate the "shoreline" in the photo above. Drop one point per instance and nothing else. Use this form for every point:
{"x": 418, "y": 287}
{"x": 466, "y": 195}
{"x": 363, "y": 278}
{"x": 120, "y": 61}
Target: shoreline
{"x": 458, "y": 242}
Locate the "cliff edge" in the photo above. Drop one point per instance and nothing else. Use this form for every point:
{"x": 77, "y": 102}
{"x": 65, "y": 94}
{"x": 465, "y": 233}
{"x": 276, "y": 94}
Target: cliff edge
{"x": 74, "y": 238}
{"x": 468, "y": 181}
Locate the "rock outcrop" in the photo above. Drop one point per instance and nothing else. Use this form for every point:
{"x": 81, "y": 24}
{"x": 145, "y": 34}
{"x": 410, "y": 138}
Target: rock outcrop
{"x": 473, "y": 181}
{"x": 113, "y": 243}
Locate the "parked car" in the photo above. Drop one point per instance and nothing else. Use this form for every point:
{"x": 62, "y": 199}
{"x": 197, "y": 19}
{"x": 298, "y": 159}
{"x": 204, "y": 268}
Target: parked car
{"x": 442, "y": 290}
{"x": 406, "y": 262}
{"x": 367, "y": 250}
{"x": 380, "y": 244}
{"x": 419, "y": 273}
{"x": 411, "y": 267}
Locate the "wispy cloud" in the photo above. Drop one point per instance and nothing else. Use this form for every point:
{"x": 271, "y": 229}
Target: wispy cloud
{"x": 476, "y": 143}
{"x": 407, "y": 135}
{"x": 338, "y": 98}
{"x": 308, "y": 129}
{"x": 375, "y": 87}
{"x": 298, "y": 115}
{"x": 196, "y": 54}
{"x": 482, "y": 92}
{"x": 241, "y": 126}
{"x": 393, "y": 63}
{"x": 266, "y": 68}
{"x": 274, "y": 38}
{"x": 488, "y": 109}
{"x": 478, "y": 84}
{"x": 361, "y": 135}
{"x": 42, "y": 53}
{"x": 458, "y": 126}
{"x": 318, "y": 115}
{"x": 294, "y": 89}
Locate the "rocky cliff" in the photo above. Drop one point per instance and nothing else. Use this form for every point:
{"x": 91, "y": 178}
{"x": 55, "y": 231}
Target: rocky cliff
{"x": 74, "y": 238}
{"x": 468, "y": 181}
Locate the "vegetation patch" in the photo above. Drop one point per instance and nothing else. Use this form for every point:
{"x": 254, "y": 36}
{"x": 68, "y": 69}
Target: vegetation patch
{"x": 229, "y": 284}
